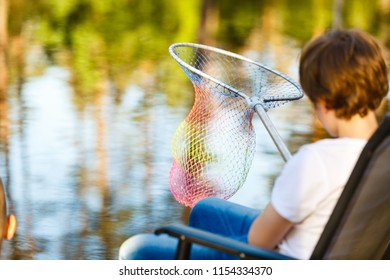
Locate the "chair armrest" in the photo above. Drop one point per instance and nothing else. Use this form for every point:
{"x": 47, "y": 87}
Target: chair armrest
{"x": 189, "y": 235}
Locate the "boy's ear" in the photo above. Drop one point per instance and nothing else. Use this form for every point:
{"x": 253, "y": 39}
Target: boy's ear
{"x": 320, "y": 105}
{"x": 10, "y": 227}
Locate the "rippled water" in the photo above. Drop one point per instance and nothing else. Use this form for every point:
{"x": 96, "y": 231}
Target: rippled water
{"x": 82, "y": 176}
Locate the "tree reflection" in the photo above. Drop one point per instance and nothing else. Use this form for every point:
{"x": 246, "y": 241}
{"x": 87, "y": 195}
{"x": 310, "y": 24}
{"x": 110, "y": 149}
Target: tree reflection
{"x": 113, "y": 45}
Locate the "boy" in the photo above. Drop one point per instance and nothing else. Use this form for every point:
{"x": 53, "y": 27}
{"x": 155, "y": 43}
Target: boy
{"x": 345, "y": 77}
{"x": 344, "y": 74}
{"x": 7, "y": 223}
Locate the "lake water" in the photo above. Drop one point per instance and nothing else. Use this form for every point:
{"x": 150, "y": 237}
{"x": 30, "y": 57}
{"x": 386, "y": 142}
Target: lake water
{"x": 92, "y": 99}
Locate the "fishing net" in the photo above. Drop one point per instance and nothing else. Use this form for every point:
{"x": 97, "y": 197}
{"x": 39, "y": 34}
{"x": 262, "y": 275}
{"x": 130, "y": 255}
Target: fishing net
{"x": 214, "y": 146}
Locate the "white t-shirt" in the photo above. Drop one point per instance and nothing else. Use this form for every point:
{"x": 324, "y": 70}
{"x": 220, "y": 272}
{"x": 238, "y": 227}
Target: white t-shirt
{"x": 308, "y": 188}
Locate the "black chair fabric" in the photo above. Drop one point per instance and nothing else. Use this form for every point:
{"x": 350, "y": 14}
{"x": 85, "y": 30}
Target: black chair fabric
{"x": 359, "y": 227}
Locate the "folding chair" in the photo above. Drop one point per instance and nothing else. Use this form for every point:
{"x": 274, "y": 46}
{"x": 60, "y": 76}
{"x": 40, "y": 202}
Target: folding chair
{"x": 358, "y": 228}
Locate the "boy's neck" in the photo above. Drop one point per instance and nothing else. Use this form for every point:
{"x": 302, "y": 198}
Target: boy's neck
{"x": 357, "y": 127}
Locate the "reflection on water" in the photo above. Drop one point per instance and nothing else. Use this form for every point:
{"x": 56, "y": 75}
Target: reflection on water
{"x": 87, "y": 114}
{"x": 87, "y": 181}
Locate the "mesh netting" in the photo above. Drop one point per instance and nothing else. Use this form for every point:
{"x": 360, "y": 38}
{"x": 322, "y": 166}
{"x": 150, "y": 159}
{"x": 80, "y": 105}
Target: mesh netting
{"x": 214, "y": 146}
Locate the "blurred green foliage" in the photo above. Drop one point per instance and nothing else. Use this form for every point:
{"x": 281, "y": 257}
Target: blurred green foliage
{"x": 118, "y": 40}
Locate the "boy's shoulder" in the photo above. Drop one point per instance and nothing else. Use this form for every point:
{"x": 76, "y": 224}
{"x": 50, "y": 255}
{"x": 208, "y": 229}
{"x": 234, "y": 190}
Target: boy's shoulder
{"x": 334, "y": 146}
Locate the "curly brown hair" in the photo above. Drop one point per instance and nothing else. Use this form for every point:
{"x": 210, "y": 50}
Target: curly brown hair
{"x": 346, "y": 69}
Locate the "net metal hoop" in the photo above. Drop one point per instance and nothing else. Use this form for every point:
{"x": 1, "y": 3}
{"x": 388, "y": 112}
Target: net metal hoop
{"x": 228, "y": 87}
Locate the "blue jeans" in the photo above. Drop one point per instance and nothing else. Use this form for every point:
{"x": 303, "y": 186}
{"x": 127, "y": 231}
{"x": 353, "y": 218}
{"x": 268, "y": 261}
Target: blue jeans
{"x": 210, "y": 214}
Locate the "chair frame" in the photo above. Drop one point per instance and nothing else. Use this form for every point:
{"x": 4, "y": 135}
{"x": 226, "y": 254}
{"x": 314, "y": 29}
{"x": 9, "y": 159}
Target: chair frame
{"x": 189, "y": 235}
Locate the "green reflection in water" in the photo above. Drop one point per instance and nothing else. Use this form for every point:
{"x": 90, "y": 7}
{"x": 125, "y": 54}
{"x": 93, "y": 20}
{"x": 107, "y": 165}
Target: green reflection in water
{"x": 89, "y": 100}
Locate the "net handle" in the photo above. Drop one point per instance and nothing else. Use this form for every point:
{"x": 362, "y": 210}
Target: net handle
{"x": 285, "y": 153}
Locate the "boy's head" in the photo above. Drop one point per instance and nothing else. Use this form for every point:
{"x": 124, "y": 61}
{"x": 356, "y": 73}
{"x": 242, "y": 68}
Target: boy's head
{"x": 7, "y": 223}
{"x": 346, "y": 70}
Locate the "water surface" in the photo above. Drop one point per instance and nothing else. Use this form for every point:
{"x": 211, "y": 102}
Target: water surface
{"x": 92, "y": 99}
